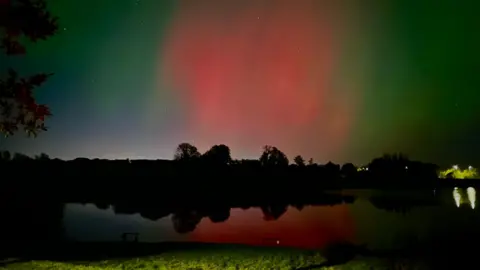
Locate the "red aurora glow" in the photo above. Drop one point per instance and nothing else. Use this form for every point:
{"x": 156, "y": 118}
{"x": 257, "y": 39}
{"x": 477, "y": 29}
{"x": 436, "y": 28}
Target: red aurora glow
{"x": 252, "y": 73}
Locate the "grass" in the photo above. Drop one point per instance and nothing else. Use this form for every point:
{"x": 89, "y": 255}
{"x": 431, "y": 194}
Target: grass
{"x": 211, "y": 257}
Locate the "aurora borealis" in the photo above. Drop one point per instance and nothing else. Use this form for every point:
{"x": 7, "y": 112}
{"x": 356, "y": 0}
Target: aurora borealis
{"x": 332, "y": 80}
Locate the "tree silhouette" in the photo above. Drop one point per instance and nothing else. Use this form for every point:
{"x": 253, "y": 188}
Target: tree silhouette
{"x": 391, "y": 165}
{"x": 310, "y": 162}
{"x": 20, "y": 157}
{"x": 42, "y": 156}
{"x": 348, "y": 170}
{"x": 271, "y": 156}
{"x": 186, "y": 151}
{"x": 218, "y": 154}
{"x": 299, "y": 161}
{"x": 332, "y": 168}
{"x": 5, "y": 156}
{"x": 23, "y": 19}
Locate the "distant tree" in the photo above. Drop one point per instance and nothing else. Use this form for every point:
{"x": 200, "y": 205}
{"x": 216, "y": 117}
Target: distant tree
{"x": 81, "y": 159}
{"x": 186, "y": 151}
{"x": 348, "y": 170}
{"x": 332, "y": 168}
{"x": 23, "y": 20}
{"x": 391, "y": 165}
{"x": 271, "y": 156}
{"x": 299, "y": 161}
{"x": 235, "y": 162}
{"x": 218, "y": 154}
{"x": 20, "y": 157}
{"x": 5, "y": 156}
{"x": 42, "y": 156}
{"x": 310, "y": 162}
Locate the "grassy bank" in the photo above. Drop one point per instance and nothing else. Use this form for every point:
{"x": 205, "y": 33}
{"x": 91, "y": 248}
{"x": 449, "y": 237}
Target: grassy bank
{"x": 204, "y": 257}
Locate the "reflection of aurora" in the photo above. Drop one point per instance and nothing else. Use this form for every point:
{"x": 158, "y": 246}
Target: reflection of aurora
{"x": 459, "y": 196}
{"x": 311, "y": 227}
{"x": 296, "y": 225}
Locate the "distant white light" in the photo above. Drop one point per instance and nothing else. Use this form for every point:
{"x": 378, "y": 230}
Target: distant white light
{"x": 470, "y": 167}
{"x": 455, "y": 167}
{"x": 406, "y": 167}
{"x": 366, "y": 168}
{"x": 278, "y": 242}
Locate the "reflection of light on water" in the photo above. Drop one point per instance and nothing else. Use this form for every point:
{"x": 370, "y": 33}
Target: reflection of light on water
{"x": 472, "y": 196}
{"x": 457, "y": 196}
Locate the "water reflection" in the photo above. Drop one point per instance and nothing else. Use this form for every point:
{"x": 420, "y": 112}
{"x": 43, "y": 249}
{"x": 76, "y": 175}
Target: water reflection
{"x": 472, "y": 196}
{"x": 422, "y": 217}
{"x": 461, "y": 196}
{"x": 311, "y": 227}
{"x": 457, "y": 197}
{"x": 336, "y": 218}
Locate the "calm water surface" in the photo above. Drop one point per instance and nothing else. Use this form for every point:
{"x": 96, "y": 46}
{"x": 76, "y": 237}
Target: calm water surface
{"x": 367, "y": 220}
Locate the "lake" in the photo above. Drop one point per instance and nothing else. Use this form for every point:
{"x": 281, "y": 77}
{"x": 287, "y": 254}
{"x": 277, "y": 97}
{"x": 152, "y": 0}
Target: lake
{"x": 380, "y": 219}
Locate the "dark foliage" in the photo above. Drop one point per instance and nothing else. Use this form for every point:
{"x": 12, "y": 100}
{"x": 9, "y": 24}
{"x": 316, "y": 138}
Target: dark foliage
{"x": 19, "y": 19}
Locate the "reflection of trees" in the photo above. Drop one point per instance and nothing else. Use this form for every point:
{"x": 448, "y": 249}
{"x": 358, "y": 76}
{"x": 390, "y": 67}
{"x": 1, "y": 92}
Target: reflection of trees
{"x": 219, "y": 215}
{"x": 186, "y": 221}
{"x": 273, "y": 212}
{"x": 154, "y": 214}
{"x": 391, "y": 205}
{"x": 334, "y": 200}
{"x": 127, "y": 209}
{"x": 299, "y": 207}
{"x": 399, "y": 205}
{"x": 102, "y": 205}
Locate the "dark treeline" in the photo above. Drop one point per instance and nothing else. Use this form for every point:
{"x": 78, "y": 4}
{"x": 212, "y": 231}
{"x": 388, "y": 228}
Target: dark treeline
{"x": 211, "y": 177}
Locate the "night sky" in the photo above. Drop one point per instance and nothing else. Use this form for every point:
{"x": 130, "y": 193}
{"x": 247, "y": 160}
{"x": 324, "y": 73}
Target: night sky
{"x": 332, "y": 80}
